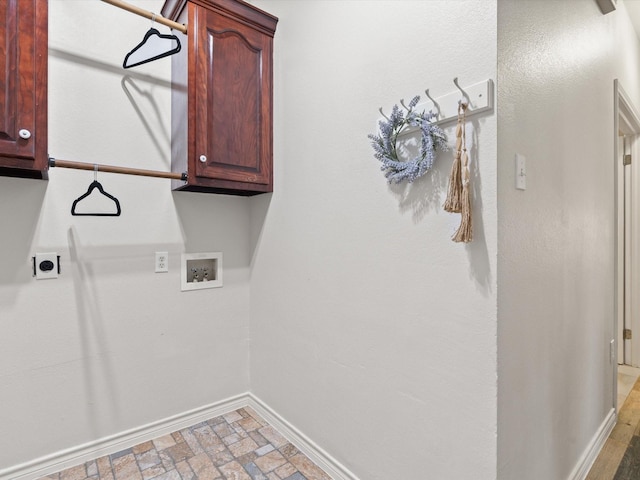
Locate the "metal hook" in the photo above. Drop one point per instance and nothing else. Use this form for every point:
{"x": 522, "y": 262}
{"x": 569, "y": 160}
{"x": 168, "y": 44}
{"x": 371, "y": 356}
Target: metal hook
{"x": 435, "y": 104}
{"x": 95, "y": 172}
{"x": 464, "y": 94}
{"x": 405, "y": 107}
{"x": 153, "y": 19}
{"x": 382, "y": 113}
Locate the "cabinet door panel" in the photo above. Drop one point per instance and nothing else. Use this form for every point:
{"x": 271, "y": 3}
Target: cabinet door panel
{"x": 233, "y": 102}
{"x": 17, "y": 83}
{"x": 23, "y": 87}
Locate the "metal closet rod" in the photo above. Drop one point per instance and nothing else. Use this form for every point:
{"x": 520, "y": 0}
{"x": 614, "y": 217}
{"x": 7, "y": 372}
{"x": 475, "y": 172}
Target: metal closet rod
{"x": 147, "y": 14}
{"x": 111, "y": 169}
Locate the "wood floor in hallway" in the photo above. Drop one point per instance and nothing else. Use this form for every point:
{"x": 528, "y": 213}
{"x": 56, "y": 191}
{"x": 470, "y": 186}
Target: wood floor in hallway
{"x": 620, "y": 456}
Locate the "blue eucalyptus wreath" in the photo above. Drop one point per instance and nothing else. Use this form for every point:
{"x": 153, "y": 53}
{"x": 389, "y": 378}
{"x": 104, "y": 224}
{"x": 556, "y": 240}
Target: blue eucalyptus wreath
{"x": 385, "y": 143}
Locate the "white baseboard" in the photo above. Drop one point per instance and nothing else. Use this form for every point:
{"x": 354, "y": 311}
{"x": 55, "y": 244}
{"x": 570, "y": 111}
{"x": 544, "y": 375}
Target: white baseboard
{"x": 590, "y": 454}
{"x": 316, "y": 454}
{"x": 82, "y": 453}
{"x": 105, "y": 446}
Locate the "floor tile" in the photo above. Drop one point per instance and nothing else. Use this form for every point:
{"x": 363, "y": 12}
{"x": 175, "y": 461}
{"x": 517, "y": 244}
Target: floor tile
{"x": 239, "y": 445}
{"x": 270, "y": 461}
{"x": 153, "y": 472}
{"x": 126, "y": 468}
{"x": 163, "y": 442}
{"x": 179, "y": 452}
{"x": 286, "y": 470}
{"x": 265, "y": 449}
{"x": 185, "y": 471}
{"x": 254, "y": 472}
{"x": 232, "y": 417}
{"x": 143, "y": 447}
{"x": 170, "y": 475}
{"x": 273, "y": 436}
{"x": 207, "y": 438}
{"x": 233, "y": 470}
{"x": 242, "y": 447}
{"x": 220, "y": 458}
{"x": 203, "y": 467}
{"x": 74, "y": 473}
{"x": 289, "y": 450}
{"x": 310, "y": 470}
{"x": 148, "y": 459}
{"x": 296, "y": 476}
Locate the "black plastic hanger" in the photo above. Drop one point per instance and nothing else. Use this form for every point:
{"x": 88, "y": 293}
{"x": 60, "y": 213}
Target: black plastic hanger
{"x": 152, "y": 40}
{"x": 95, "y": 184}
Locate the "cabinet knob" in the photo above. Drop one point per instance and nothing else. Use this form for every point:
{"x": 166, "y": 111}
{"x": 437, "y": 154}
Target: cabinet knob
{"x": 24, "y": 133}
{"x": 203, "y": 158}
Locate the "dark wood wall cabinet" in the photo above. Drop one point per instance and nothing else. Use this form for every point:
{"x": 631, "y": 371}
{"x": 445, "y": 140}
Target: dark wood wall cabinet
{"x": 222, "y": 97}
{"x": 23, "y": 88}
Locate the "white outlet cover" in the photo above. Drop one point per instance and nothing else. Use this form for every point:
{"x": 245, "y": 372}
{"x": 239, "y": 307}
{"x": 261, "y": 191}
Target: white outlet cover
{"x": 162, "y": 262}
{"x": 46, "y": 274}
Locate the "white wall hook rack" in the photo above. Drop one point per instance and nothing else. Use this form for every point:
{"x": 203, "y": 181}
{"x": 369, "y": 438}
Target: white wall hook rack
{"x": 480, "y": 96}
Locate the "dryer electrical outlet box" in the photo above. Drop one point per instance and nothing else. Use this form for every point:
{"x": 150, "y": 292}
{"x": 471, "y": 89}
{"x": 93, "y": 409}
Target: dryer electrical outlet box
{"x": 46, "y": 265}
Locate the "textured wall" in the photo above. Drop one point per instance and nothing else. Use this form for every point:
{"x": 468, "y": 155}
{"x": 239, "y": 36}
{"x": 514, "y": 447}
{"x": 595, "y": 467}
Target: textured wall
{"x": 557, "y": 62}
{"x": 111, "y": 345}
{"x": 372, "y": 331}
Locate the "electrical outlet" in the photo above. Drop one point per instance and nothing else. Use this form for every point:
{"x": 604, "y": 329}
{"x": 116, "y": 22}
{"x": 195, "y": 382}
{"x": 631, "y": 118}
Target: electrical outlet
{"x": 162, "y": 262}
{"x": 46, "y": 265}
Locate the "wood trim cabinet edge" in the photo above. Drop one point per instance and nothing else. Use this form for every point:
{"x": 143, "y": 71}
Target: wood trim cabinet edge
{"x": 222, "y": 98}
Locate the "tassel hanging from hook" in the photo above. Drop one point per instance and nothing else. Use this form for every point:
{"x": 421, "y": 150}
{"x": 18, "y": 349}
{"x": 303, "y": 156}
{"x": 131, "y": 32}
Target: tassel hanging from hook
{"x": 465, "y": 231}
{"x": 453, "y": 203}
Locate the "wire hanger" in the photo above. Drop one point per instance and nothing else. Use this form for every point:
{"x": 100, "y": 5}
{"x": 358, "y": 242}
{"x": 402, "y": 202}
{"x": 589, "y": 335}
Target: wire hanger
{"x": 154, "y": 46}
{"x": 95, "y": 184}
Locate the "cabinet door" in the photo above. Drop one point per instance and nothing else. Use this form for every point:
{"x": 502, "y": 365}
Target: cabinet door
{"x": 23, "y": 70}
{"x": 233, "y": 102}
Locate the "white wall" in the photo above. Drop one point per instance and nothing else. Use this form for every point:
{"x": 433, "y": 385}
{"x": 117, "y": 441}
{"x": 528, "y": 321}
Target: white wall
{"x": 111, "y": 345}
{"x": 557, "y": 62}
{"x": 372, "y": 332}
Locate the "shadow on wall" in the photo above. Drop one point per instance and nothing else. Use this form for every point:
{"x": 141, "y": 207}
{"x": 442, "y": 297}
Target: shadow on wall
{"x": 259, "y": 210}
{"x": 138, "y": 88}
{"x": 137, "y": 95}
{"x": 215, "y": 223}
{"x": 106, "y": 67}
{"x": 427, "y": 195}
{"x": 91, "y": 330}
{"x": 21, "y": 204}
{"x": 480, "y": 268}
